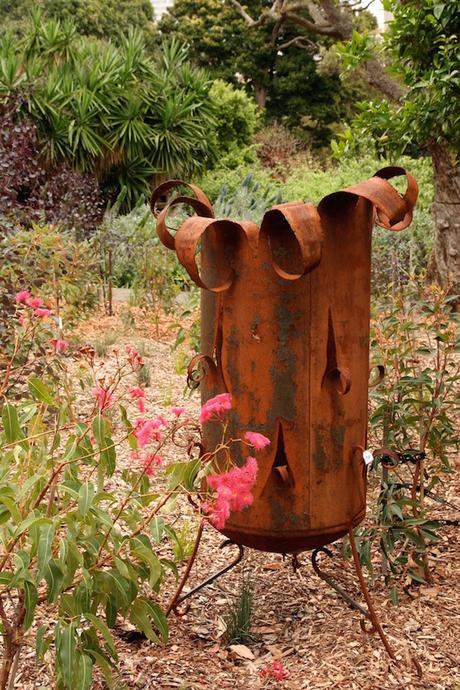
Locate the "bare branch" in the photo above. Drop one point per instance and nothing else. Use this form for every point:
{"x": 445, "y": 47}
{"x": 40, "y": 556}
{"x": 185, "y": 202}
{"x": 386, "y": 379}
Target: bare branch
{"x": 267, "y": 14}
{"x": 322, "y": 29}
{"x": 300, "y": 42}
{"x": 325, "y": 18}
{"x": 277, "y": 28}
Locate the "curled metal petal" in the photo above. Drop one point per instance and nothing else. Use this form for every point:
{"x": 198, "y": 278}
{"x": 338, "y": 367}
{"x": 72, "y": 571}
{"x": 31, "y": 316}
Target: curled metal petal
{"x": 394, "y": 211}
{"x": 303, "y": 224}
{"x": 374, "y": 380}
{"x": 199, "y": 367}
{"x": 200, "y": 204}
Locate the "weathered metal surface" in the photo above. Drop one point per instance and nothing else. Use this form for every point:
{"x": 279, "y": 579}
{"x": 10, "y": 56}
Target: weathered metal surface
{"x": 285, "y": 330}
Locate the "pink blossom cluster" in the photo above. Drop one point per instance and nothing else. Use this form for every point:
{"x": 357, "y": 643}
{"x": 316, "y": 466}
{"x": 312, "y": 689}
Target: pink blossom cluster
{"x": 177, "y": 411}
{"x": 134, "y": 357}
{"x": 215, "y": 408}
{"x": 138, "y": 395}
{"x": 148, "y": 461}
{"x": 35, "y": 303}
{"x": 257, "y": 441}
{"x": 59, "y": 345}
{"x": 275, "y": 671}
{"x": 148, "y": 430}
{"x": 103, "y": 397}
{"x": 233, "y": 492}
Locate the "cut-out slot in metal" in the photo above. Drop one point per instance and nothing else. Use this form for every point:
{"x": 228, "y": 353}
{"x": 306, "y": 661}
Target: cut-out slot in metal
{"x": 280, "y": 465}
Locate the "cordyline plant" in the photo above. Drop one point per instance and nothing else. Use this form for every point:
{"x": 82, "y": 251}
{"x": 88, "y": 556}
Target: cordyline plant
{"x": 414, "y": 409}
{"x": 84, "y": 539}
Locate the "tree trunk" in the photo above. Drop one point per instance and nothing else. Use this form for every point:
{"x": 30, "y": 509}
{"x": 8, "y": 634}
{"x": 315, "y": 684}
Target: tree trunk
{"x": 260, "y": 94}
{"x": 446, "y": 216}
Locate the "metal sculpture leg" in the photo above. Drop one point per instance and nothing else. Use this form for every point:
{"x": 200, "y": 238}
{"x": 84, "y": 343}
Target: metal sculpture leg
{"x": 370, "y": 613}
{"x": 178, "y": 597}
{"x": 330, "y": 581}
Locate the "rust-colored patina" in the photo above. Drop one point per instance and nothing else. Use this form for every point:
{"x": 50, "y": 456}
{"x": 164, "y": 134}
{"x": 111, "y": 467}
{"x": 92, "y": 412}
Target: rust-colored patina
{"x": 285, "y": 330}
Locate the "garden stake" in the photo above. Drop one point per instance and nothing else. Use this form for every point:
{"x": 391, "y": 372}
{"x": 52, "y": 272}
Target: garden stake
{"x": 376, "y": 626}
{"x": 285, "y": 331}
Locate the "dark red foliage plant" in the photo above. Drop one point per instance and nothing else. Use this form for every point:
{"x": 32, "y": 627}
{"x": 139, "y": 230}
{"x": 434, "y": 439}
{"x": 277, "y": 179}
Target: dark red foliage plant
{"x": 30, "y": 191}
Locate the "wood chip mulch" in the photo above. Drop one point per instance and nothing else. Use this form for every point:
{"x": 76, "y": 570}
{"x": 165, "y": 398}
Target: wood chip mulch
{"x": 297, "y": 617}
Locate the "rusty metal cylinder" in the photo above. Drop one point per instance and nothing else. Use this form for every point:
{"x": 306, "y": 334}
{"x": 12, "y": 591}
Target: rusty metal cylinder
{"x": 285, "y": 330}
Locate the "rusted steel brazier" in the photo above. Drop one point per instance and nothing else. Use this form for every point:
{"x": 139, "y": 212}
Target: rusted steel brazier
{"x": 285, "y": 330}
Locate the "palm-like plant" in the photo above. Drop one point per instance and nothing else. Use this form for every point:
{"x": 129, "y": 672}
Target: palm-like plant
{"x": 110, "y": 110}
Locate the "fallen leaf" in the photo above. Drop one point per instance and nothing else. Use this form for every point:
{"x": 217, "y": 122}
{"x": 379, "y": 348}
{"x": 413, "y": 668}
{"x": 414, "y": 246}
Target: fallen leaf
{"x": 242, "y": 651}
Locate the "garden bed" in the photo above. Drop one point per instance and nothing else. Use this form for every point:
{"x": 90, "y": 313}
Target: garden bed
{"x": 297, "y": 618}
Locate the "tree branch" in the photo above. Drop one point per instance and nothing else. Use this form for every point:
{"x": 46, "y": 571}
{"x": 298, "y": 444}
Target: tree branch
{"x": 325, "y": 18}
{"x": 300, "y": 42}
{"x": 322, "y": 29}
{"x": 267, "y": 14}
{"x": 379, "y": 79}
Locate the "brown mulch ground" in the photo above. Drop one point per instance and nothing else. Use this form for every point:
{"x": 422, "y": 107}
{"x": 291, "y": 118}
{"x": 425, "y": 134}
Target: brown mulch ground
{"x": 297, "y": 617}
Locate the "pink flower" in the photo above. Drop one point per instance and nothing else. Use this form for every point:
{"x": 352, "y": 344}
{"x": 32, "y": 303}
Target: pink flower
{"x": 177, "y": 411}
{"x": 60, "y": 345}
{"x": 257, "y": 441}
{"x": 275, "y": 670}
{"x": 149, "y": 430}
{"x": 215, "y": 408}
{"x": 103, "y": 397}
{"x": 233, "y": 492}
{"x": 41, "y": 312}
{"x": 134, "y": 357}
{"x": 149, "y": 462}
{"x": 22, "y": 296}
{"x": 34, "y": 302}
{"x": 138, "y": 394}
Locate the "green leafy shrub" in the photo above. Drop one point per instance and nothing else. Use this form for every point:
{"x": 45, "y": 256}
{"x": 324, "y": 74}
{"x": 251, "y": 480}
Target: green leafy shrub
{"x": 249, "y": 201}
{"x": 415, "y": 338}
{"x": 281, "y": 152}
{"x": 62, "y": 268}
{"x": 236, "y": 116}
{"x": 84, "y": 500}
{"x": 312, "y": 184}
{"x": 100, "y": 18}
{"x": 111, "y": 110}
{"x": 213, "y": 182}
{"x": 129, "y": 247}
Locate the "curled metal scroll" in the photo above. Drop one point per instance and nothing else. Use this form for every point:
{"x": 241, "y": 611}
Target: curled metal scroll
{"x": 394, "y": 211}
{"x": 296, "y": 220}
{"x": 200, "y": 204}
{"x": 340, "y": 377}
{"x": 188, "y": 237}
{"x": 196, "y": 370}
{"x": 304, "y": 223}
{"x": 374, "y": 380}
{"x": 409, "y": 197}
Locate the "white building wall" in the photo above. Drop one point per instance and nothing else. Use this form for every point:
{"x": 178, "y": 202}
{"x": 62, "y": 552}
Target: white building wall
{"x": 160, "y": 6}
